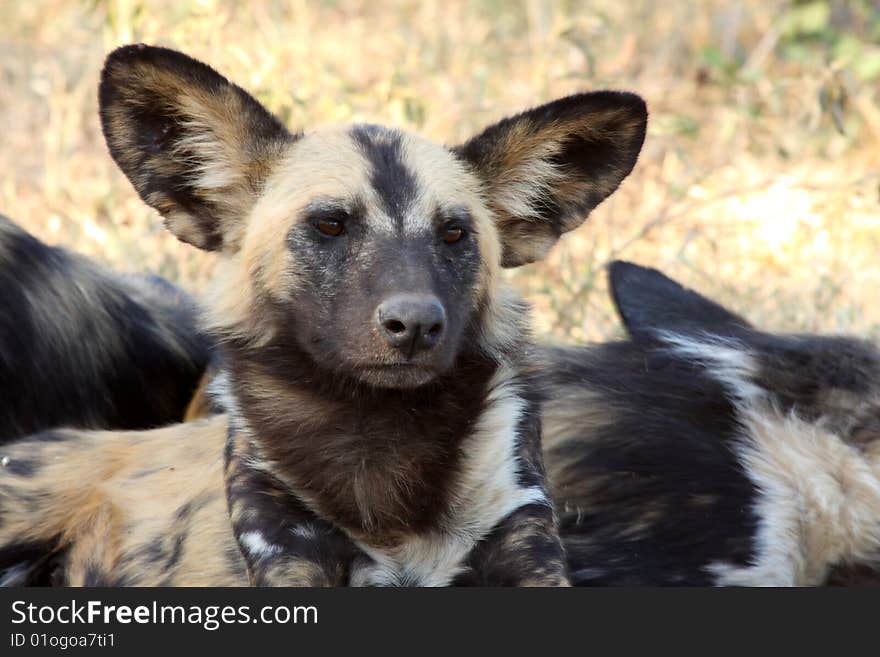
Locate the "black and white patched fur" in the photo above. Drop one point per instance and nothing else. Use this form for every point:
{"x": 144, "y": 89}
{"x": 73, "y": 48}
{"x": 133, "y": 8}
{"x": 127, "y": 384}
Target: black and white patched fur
{"x": 703, "y": 451}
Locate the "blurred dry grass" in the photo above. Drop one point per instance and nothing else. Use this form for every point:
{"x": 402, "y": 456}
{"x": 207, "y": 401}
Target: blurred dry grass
{"x": 759, "y": 182}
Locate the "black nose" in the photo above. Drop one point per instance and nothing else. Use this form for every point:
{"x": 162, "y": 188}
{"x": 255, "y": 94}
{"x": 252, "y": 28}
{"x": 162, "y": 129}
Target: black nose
{"x": 411, "y": 322}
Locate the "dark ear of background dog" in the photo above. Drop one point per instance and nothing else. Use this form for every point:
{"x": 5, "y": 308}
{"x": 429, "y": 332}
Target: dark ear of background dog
{"x": 81, "y": 346}
{"x": 647, "y": 301}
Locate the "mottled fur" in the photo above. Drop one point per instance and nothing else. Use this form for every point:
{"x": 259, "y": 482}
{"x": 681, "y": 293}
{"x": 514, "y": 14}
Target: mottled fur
{"x": 351, "y": 457}
{"x": 82, "y": 346}
{"x": 118, "y": 509}
{"x": 702, "y": 451}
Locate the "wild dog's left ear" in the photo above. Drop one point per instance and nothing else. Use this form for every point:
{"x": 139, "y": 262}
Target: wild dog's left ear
{"x": 648, "y": 301}
{"x": 195, "y": 146}
{"x": 547, "y": 168}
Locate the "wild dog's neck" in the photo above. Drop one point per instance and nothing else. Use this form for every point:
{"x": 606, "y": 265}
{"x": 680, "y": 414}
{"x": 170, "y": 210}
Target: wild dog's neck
{"x": 376, "y": 462}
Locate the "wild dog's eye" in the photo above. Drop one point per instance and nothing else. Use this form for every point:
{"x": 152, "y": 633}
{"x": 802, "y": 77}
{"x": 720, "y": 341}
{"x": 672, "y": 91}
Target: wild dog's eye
{"x": 329, "y": 216}
{"x": 451, "y": 234}
{"x": 331, "y": 227}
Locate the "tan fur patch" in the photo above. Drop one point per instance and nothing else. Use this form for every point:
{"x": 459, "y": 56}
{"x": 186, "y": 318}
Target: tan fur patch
{"x": 819, "y": 500}
{"x": 200, "y": 405}
{"x": 148, "y": 510}
{"x": 568, "y": 421}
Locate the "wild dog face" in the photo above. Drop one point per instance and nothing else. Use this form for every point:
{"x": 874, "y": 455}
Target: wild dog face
{"x": 705, "y": 451}
{"x": 372, "y": 251}
{"x": 385, "y": 257}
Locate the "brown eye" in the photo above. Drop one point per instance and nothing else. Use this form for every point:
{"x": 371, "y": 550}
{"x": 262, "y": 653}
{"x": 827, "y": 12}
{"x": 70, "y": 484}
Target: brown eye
{"x": 452, "y": 234}
{"x": 331, "y": 227}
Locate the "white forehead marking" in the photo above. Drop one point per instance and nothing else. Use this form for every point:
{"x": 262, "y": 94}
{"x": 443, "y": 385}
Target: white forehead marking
{"x": 438, "y": 181}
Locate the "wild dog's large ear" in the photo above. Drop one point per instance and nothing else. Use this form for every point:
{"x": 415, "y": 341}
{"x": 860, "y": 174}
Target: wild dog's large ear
{"x": 648, "y": 301}
{"x": 547, "y": 168}
{"x": 195, "y": 146}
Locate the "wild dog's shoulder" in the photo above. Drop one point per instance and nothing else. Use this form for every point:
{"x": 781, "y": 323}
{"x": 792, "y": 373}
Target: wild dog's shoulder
{"x": 501, "y": 493}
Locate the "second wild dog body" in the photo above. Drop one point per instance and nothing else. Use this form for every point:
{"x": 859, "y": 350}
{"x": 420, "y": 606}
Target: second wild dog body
{"x": 85, "y": 347}
{"x": 703, "y": 451}
{"x": 380, "y": 427}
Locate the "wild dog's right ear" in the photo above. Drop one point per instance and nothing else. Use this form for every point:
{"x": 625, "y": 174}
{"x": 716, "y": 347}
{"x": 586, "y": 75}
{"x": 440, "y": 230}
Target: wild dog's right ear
{"x": 648, "y": 301}
{"x": 196, "y": 147}
{"x": 544, "y": 170}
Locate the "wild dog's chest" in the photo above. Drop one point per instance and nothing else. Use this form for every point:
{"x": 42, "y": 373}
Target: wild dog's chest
{"x": 488, "y": 486}
{"x": 387, "y": 466}
{"x": 412, "y": 518}
{"x": 438, "y": 558}
{"x": 373, "y": 479}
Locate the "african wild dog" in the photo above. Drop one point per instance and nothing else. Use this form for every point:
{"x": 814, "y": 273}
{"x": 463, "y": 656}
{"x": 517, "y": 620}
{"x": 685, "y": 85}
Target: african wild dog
{"x": 380, "y": 428}
{"x": 81, "y": 346}
{"x": 702, "y": 451}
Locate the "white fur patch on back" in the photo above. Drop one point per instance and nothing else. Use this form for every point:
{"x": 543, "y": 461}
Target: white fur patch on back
{"x": 818, "y": 501}
{"x": 818, "y": 497}
{"x": 726, "y": 359}
{"x": 486, "y": 492}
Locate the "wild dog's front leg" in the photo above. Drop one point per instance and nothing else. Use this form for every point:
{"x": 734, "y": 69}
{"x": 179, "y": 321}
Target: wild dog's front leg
{"x": 524, "y": 549}
{"x": 283, "y": 542}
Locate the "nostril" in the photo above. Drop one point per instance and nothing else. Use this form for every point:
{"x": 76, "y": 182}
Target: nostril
{"x": 395, "y": 326}
{"x": 411, "y": 323}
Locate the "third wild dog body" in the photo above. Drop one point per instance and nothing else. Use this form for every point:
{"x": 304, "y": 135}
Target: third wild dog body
{"x": 380, "y": 427}
{"x": 703, "y": 451}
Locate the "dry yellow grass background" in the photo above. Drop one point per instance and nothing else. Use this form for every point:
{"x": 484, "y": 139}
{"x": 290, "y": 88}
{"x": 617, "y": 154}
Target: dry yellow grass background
{"x": 759, "y": 182}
